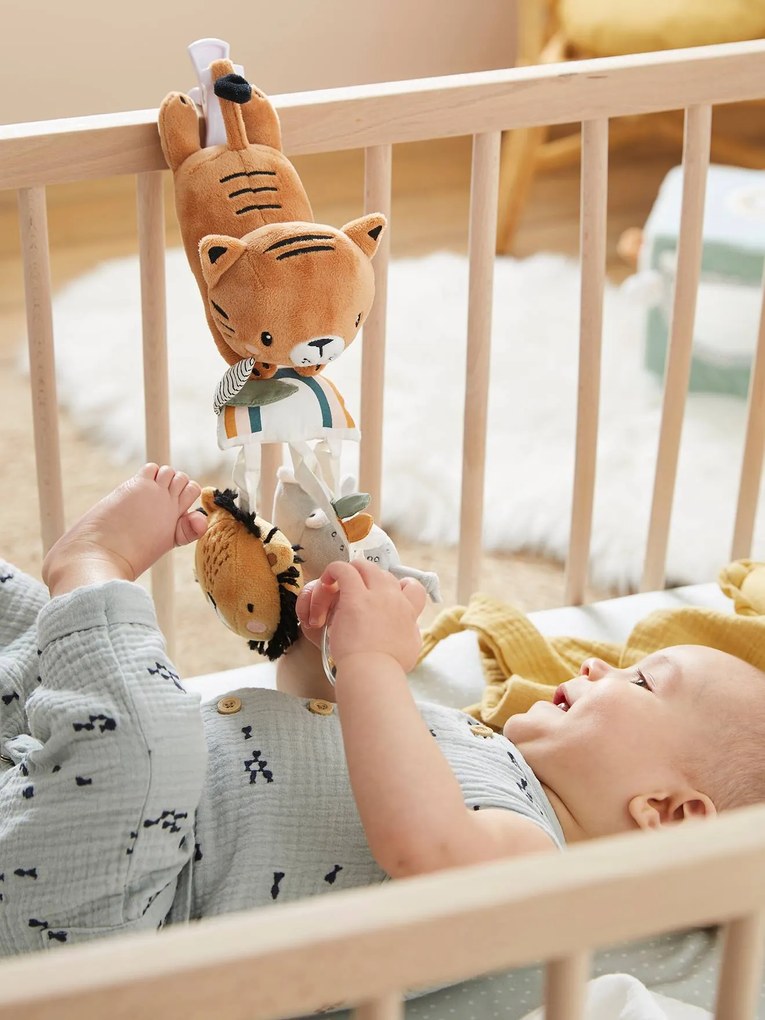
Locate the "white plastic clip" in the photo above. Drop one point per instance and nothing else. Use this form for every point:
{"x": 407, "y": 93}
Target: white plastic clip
{"x": 202, "y": 53}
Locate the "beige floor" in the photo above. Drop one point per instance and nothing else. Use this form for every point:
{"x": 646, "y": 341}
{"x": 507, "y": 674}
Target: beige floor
{"x": 92, "y": 222}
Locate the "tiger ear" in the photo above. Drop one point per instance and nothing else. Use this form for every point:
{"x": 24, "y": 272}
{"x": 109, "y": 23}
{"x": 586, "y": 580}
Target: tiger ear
{"x": 217, "y": 253}
{"x": 366, "y": 232}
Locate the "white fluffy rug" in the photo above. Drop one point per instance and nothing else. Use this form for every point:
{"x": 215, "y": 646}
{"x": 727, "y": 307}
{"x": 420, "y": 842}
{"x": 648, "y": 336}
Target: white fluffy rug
{"x": 531, "y": 413}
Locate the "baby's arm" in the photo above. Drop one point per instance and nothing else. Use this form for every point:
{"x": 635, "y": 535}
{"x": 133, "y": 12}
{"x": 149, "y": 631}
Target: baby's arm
{"x": 300, "y": 672}
{"x": 410, "y": 802}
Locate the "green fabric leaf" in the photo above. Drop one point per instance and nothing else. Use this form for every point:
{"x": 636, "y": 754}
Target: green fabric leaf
{"x": 259, "y": 392}
{"x": 354, "y": 503}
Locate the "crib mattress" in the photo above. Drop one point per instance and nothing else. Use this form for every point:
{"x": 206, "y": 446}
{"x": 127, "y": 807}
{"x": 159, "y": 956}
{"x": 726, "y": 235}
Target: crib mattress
{"x": 452, "y": 674}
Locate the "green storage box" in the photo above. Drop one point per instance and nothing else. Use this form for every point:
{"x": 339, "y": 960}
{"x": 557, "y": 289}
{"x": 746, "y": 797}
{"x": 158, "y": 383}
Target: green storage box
{"x": 729, "y": 298}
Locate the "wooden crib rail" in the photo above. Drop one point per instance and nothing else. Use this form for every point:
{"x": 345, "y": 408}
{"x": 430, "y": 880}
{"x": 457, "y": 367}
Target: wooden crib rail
{"x": 376, "y": 117}
{"x": 365, "y": 116}
{"x": 365, "y": 946}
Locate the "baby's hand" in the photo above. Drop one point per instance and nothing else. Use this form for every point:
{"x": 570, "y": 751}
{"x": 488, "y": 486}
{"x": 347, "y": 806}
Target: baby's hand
{"x": 370, "y": 611}
{"x": 313, "y": 605}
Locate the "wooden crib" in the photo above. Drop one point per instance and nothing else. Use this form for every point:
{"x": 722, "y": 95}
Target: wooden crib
{"x": 365, "y": 947}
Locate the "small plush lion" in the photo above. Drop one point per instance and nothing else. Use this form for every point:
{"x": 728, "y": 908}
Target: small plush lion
{"x": 250, "y": 574}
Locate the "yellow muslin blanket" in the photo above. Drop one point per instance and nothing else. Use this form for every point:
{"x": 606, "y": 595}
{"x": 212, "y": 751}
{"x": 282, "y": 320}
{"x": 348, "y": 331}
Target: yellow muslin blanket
{"x": 522, "y": 666}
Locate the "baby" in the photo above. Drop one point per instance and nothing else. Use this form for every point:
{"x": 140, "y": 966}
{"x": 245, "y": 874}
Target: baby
{"x": 125, "y": 805}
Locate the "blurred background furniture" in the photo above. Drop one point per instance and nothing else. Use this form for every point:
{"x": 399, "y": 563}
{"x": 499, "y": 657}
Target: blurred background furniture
{"x": 557, "y": 30}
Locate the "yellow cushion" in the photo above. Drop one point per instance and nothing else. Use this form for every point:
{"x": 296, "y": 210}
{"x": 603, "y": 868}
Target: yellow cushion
{"x": 610, "y": 27}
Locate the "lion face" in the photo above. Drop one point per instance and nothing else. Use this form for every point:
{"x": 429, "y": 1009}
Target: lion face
{"x": 249, "y": 573}
{"x": 292, "y": 294}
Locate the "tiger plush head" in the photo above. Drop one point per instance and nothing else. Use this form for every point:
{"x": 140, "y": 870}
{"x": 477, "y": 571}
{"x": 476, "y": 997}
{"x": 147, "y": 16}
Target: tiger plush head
{"x": 271, "y": 280}
{"x": 291, "y": 294}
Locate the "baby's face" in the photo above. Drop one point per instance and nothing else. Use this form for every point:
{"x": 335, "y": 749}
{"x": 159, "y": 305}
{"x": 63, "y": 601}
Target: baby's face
{"x": 613, "y": 734}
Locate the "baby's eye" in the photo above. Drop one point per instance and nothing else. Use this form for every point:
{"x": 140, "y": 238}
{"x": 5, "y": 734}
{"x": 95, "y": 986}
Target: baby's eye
{"x": 641, "y": 680}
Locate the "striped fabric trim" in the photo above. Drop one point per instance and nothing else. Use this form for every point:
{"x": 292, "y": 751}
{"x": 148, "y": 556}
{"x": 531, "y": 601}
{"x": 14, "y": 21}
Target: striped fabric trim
{"x": 326, "y": 414}
{"x": 313, "y": 411}
{"x": 349, "y": 421}
{"x": 232, "y": 382}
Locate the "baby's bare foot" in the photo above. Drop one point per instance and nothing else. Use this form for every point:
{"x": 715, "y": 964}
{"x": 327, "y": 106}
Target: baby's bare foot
{"x": 127, "y": 531}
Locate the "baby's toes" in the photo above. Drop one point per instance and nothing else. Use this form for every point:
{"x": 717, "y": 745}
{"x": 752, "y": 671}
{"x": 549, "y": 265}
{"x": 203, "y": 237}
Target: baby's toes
{"x": 165, "y": 476}
{"x": 190, "y": 527}
{"x": 149, "y": 471}
{"x": 189, "y": 494}
{"x": 178, "y": 483}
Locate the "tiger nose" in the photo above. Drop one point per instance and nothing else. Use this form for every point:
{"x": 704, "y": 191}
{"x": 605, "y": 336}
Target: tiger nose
{"x": 321, "y": 343}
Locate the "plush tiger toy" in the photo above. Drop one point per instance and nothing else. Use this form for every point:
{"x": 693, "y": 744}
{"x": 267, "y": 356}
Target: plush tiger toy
{"x": 284, "y": 296}
{"x": 278, "y": 289}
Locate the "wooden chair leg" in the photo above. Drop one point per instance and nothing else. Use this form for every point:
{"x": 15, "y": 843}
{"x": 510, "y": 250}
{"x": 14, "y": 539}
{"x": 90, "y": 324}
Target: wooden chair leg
{"x": 517, "y": 166}
{"x": 736, "y": 153}
{"x": 520, "y": 149}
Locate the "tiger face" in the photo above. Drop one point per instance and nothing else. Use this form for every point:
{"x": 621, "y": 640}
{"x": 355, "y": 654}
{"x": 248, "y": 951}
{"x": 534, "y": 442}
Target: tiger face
{"x": 291, "y": 294}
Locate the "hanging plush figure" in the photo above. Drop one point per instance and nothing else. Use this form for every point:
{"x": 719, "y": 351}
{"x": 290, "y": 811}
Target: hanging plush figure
{"x": 284, "y": 296}
{"x": 342, "y": 532}
{"x": 278, "y": 289}
{"x": 249, "y": 573}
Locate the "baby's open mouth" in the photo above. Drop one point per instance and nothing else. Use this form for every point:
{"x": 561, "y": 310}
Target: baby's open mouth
{"x": 560, "y": 699}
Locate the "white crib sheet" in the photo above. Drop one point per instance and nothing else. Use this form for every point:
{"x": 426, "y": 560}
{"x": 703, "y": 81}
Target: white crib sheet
{"x": 452, "y": 675}
{"x": 682, "y": 967}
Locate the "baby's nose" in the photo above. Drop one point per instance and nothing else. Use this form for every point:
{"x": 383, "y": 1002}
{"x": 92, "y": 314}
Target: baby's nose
{"x": 593, "y": 668}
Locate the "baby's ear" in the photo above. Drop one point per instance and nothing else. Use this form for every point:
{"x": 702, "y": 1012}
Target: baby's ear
{"x": 217, "y": 253}
{"x": 653, "y": 810}
{"x": 366, "y": 232}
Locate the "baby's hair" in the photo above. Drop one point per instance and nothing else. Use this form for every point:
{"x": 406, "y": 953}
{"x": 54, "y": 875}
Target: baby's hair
{"x": 732, "y": 773}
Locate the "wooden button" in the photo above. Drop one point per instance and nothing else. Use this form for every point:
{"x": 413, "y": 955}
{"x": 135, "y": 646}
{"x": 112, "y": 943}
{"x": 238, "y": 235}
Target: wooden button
{"x": 320, "y": 707}
{"x": 229, "y": 705}
{"x": 482, "y": 731}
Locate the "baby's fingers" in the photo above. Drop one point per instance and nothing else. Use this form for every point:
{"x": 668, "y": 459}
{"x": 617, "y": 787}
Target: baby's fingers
{"x": 303, "y": 604}
{"x": 414, "y": 593}
{"x": 343, "y": 576}
{"x": 323, "y": 596}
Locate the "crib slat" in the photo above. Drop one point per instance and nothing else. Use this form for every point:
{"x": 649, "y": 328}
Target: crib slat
{"x": 754, "y": 449}
{"x": 566, "y": 987}
{"x": 151, "y": 249}
{"x": 378, "y": 177}
{"x": 388, "y": 1007}
{"x": 594, "y": 202}
{"x": 741, "y": 968}
{"x": 698, "y": 126}
{"x": 33, "y": 226}
{"x": 484, "y": 188}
